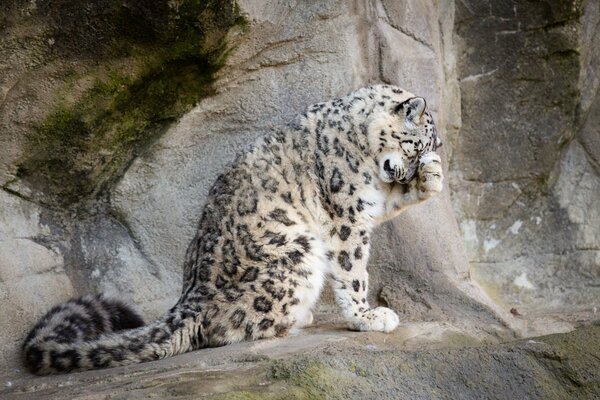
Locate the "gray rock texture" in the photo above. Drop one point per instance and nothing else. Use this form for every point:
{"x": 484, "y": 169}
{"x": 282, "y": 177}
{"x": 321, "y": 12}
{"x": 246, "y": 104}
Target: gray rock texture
{"x": 524, "y": 171}
{"x": 104, "y": 173}
{"x": 327, "y": 362}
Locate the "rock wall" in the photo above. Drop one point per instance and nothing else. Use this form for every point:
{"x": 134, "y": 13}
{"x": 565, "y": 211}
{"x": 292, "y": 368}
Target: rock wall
{"x": 517, "y": 118}
{"x": 525, "y": 169}
{"x": 290, "y": 57}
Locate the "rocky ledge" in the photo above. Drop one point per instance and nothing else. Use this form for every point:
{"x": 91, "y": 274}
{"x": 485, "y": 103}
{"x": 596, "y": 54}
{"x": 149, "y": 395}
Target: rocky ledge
{"x": 417, "y": 361}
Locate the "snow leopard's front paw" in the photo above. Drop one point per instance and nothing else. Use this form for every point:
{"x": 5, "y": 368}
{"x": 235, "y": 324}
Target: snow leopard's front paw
{"x": 380, "y": 319}
{"x": 431, "y": 175}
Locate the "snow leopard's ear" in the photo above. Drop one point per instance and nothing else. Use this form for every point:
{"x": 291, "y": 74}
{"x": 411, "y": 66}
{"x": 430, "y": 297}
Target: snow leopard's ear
{"x": 415, "y": 109}
{"x": 438, "y": 142}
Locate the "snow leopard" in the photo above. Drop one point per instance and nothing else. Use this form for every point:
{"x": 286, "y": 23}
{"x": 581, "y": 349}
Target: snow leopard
{"x": 296, "y": 210}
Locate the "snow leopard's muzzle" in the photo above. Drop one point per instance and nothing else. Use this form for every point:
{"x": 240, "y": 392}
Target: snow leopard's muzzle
{"x": 395, "y": 168}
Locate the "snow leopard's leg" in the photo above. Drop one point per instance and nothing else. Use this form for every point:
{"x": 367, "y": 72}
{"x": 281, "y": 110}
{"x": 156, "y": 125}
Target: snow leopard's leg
{"x": 350, "y": 282}
{"x": 307, "y": 321}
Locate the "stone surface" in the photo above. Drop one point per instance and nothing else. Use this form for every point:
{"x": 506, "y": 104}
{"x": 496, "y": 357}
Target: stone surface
{"x": 71, "y": 95}
{"x": 524, "y": 171}
{"x": 422, "y": 361}
{"x": 31, "y": 272}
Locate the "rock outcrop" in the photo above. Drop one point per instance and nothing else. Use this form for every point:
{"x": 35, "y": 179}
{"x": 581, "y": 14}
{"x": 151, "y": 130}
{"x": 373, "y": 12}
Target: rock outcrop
{"x": 329, "y": 363}
{"x": 525, "y": 168}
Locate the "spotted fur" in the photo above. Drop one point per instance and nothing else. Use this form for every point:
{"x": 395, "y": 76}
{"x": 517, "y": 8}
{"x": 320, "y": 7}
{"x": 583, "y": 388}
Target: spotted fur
{"x": 295, "y": 210}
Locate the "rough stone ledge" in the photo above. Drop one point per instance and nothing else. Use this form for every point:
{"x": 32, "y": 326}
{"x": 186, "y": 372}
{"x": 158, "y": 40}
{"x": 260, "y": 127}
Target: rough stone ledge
{"x": 428, "y": 360}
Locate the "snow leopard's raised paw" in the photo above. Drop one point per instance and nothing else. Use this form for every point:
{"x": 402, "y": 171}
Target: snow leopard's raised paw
{"x": 431, "y": 175}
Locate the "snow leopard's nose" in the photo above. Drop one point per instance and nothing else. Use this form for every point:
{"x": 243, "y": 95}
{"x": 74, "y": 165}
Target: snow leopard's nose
{"x": 392, "y": 172}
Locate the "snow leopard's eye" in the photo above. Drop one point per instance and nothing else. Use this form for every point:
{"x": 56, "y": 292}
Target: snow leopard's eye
{"x": 409, "y": 148}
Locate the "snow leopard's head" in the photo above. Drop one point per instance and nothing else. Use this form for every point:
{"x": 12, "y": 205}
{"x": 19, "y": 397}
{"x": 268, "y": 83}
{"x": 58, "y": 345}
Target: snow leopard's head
{"x": 401, "y": 130}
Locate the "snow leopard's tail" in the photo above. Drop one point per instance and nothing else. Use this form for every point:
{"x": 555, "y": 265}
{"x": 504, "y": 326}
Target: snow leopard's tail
{"x": 98, "y": 332}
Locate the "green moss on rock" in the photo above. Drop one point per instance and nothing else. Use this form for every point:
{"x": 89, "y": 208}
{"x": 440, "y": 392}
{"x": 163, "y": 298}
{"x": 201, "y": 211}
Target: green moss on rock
{"x": 313, "y": 379}
{"x": 148, "y": 76}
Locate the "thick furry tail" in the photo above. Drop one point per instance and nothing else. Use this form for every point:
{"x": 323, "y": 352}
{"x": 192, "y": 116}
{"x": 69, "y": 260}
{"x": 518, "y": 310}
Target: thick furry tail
{"x": 98, "y": 332}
